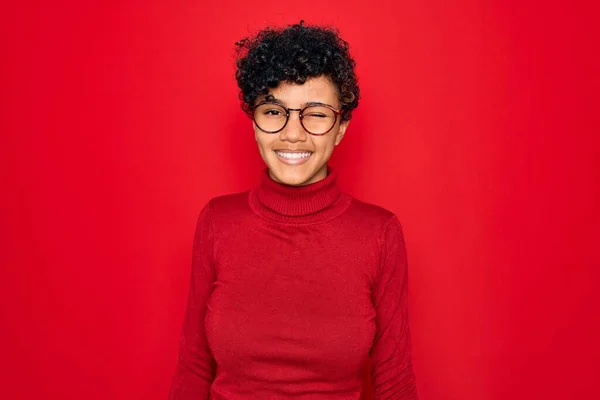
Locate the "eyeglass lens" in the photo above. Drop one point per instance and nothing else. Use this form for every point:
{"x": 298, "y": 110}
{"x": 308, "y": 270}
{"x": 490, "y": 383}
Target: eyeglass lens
{"x": 315, "y": 119}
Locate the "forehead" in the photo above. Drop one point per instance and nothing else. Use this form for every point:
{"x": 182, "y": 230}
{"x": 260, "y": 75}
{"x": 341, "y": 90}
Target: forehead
{"x": 319, "y": 89}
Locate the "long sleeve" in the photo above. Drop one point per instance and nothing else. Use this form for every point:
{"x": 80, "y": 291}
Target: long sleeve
{"x": 195, "y": 369}
{"x": 391, "y": 364}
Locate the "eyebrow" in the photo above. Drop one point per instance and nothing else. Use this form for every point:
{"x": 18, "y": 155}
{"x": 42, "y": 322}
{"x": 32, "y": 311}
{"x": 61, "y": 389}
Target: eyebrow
{"x": 272, "y": 99}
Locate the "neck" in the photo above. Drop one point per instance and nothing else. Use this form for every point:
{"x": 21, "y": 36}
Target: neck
{"x": 312, "y": 202}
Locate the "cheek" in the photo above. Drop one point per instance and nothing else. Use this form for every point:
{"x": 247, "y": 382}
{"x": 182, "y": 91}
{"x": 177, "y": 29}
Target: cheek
{"x": 325, "y": 145}
{"x": 264, "y": 142}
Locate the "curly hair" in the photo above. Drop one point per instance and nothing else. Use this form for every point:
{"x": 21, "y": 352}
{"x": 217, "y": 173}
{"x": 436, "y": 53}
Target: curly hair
{"x": 294, "y": 54}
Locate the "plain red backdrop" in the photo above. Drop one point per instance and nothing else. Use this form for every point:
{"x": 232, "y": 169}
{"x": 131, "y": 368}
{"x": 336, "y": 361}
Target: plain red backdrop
{"x": 478, "y": 126}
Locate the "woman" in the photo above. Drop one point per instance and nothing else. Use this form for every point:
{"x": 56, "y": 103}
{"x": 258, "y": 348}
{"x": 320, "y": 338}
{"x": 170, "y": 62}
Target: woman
{"x": 298, "y": 290}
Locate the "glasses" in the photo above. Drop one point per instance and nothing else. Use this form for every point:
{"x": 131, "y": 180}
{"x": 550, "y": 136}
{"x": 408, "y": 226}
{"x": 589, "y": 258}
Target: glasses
{"x": 316, "y": 119}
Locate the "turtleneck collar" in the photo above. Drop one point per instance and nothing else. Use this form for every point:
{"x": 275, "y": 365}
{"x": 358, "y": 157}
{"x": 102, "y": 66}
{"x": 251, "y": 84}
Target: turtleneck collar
{"x": 315, "y": 202}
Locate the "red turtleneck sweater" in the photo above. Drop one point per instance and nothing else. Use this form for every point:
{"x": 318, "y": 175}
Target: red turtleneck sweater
{"x": 293, "y": 290}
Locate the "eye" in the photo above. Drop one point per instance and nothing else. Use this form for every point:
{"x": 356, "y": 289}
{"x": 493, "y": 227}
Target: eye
{"x": 318, "y": 112}
{"x": 273, "y": 112}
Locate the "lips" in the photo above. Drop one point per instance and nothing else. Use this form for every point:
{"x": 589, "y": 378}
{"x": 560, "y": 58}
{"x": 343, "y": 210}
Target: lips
{"x": 293, "y": 157}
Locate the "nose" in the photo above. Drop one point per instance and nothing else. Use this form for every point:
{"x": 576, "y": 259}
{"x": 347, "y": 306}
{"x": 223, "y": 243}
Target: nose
{"x": 293, "y": 131}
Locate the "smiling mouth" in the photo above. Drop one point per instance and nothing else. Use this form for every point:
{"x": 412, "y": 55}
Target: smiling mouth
{"x": 293, "y": 157}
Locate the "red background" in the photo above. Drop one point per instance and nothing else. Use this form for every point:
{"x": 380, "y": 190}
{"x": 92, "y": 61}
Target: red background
{"x": 478, "y": 126}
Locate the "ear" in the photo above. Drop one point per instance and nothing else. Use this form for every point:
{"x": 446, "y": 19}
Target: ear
{"x": 341, "y": 132}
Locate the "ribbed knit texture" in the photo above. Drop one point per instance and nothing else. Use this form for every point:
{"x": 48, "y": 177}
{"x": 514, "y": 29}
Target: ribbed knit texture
{"x": 312, "y": 203}
{"x": 292, "y": 291}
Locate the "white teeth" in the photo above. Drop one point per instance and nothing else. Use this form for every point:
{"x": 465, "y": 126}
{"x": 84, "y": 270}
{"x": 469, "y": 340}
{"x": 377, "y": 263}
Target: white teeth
{"x": 293, "y": 156}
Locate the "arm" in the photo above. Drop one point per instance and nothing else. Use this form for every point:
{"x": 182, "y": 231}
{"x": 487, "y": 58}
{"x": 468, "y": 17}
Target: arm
{"x": 391, "y": 365}
{"x": 195, "y": 366}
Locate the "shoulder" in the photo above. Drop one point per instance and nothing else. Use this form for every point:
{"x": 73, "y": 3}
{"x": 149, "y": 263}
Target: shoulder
{"x": 227, "y": 207}
{"x": 371, "y": 214}
{"x": 229, "y": 201}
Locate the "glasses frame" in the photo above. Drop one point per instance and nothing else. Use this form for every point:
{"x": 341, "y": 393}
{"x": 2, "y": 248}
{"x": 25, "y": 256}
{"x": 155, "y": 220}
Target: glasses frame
{"x": 336, "y": 112}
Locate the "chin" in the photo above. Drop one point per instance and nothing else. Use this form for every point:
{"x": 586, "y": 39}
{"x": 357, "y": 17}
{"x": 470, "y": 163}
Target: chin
{"x": 290, "y": 178}
{"x": 293, "y": 175}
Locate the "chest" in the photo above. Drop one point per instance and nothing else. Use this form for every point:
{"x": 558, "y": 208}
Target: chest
{"x": 297, "y": 295}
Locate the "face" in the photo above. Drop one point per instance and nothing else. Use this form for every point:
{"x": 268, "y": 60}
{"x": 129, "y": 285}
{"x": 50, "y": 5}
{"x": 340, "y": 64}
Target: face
{"x": 273, "y": 147}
